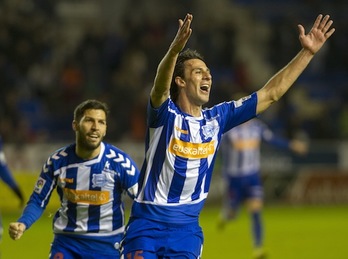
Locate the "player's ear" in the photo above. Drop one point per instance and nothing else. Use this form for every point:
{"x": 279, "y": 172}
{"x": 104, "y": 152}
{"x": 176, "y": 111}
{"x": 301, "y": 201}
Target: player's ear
{"x": 179, "y": 81}
{"x": 74, "y": 125}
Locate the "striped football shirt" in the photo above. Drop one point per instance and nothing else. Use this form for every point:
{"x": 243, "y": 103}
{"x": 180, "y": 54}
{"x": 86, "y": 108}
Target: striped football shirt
{"x": 90, "y": 191}
{"x": 180, "y": 154}
{"x": 240, "y": 148}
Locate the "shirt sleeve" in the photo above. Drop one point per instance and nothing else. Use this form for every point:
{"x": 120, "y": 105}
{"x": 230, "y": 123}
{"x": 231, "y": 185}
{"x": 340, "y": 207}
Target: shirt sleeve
{"x": 31, "y": 214}
{"x": 129, "y": 174}
{"x": 238, "y": 112}
{"x": 40, "y": 196}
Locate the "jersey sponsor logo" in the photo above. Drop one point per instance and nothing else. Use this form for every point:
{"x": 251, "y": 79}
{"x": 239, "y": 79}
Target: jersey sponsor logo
{"x": 181, "y": 130}
{"x": 39, "y": 185}
{"x": 88, "y": 197}
{"x": 191, "y": 150}
{"x": 68, "y": 180}
{"x": 107, "y": 165}
{"x": 63, "y": 181}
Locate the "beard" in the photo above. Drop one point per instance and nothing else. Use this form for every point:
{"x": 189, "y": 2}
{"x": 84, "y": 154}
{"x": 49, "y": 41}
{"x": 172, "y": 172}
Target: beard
{"x": 87, "y": 145}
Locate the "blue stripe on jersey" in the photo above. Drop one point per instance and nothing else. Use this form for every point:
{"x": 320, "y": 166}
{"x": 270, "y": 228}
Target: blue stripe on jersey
{"x": 71, "y": 174}
{"x": 94, "y": 213}
{"x": 178, "y": 181}
{"x": 93, "y": 219}
{"x": 202, "y": 169}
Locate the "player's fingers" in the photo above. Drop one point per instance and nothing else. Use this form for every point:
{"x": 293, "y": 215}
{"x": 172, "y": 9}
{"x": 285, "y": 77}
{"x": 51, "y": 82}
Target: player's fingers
{"x": 16, "y": 230}
{"x": 187, "y": 22}
{"x": 323, "y": 22}
{"x": 15, "y": 235}
{"x": 317, "y": 23}
{"x": 180, "y": 23}
{"x": 13, "y": 226}
{"x": 327, "y": 27}
{"x": 301, "y": 30}
{"x": 329, "y": 33}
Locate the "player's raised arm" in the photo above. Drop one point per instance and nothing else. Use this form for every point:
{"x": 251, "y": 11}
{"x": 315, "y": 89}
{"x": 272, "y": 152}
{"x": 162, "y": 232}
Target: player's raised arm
{"x": 311, "y": 43}
{"x": 161, "y": 88}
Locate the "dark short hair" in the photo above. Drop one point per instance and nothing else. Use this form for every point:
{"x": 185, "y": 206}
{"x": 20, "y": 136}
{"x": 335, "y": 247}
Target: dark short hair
{"x": 180, "y": 68}
{"x": 87, "y": 105}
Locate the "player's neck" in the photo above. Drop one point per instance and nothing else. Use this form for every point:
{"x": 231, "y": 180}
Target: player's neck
{"x": 189, "y": 108}
{"x": 87, "y": 154}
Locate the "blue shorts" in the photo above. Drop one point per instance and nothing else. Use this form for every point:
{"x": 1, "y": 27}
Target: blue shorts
{"x": 74, "y": 247}
{"x": 242, "y": 188}
{"x": 151, "y": 240}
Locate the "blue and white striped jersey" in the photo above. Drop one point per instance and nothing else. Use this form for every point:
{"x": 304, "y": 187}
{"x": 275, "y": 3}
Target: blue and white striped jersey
{"x": 180, "y": 154}
{"x": 90, "y": 191}
{"x": 240, "y": 148}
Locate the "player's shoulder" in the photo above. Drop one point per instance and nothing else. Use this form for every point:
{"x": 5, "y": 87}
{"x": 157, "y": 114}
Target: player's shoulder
{"x": 115, "y": 153}
{"x": 59, "y": 157}
{"x": 61, "y": 152}
{"x": 119, "y": 159}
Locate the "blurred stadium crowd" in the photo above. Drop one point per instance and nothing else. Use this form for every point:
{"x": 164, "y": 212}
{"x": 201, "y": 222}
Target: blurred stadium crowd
{"x": 54, "y": 53}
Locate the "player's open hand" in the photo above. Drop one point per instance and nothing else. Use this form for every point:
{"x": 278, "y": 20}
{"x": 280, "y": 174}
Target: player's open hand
{"x": 16, "y": 230}
{"x": 183, "y": 34}
{"x": 317, "y": 36}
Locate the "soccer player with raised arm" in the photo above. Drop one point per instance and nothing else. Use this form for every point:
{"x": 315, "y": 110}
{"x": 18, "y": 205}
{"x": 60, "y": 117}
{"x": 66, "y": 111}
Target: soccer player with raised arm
{"x": 90, "y": 177}
{"x": 182, "y": 141}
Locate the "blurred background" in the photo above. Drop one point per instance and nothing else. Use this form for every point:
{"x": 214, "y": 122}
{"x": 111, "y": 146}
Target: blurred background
{"x": 55, "y": 54}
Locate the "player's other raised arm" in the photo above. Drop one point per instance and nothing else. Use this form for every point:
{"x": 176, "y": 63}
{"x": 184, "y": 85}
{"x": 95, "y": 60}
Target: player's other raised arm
{"x": 311, "y": 43}
{"x": 161, "y": 88}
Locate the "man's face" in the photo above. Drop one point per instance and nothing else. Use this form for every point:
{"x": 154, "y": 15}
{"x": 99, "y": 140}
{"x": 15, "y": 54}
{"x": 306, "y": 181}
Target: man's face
{"x": 198, "y": 81}
{"x": 91, "y": 129}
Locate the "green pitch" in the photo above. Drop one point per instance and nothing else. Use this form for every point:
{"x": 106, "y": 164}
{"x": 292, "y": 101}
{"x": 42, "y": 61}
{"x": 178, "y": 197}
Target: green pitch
{"x": 290, "y": 233}
{"x": 298, "y": 232}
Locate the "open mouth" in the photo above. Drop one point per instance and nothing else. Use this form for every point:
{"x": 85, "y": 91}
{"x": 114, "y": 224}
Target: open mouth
{"x": 205, "y": 88}
{"x": 93, "y": 136}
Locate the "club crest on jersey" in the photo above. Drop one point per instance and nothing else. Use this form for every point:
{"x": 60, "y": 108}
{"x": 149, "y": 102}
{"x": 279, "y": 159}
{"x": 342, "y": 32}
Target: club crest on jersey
{"x": 99, "y": 180}
{"x": 209, "y": 131}
{"x": 39, "y": 185}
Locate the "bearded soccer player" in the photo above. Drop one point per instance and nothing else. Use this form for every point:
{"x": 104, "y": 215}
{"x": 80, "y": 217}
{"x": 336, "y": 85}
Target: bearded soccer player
{"x": 90, "y": 177}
